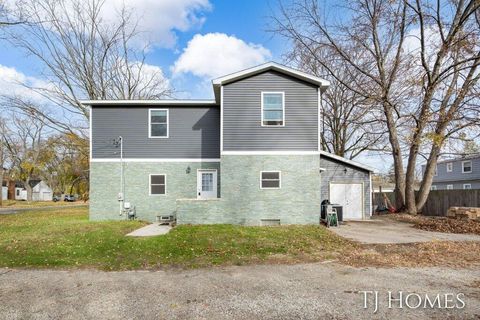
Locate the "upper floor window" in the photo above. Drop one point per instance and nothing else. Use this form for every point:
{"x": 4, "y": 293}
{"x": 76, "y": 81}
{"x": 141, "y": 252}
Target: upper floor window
{"x": 449, "y": 167}
{"x": 466, "y": 166}
{"x": 449, "y": 186}
{"x": 433, "y": 187}
{"x": 158, "y": 123}
{"x": 467, "y": 186}
{"x": 273, "y": 108}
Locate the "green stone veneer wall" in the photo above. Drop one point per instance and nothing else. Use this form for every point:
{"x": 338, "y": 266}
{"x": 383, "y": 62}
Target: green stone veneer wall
{"x": 243, "y": 202}
{"x": 105, "y": 186}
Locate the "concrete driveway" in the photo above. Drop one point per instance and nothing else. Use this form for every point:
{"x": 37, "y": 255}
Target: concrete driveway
{"x": 384, "y": 230}
{"x": 305, "y": 291}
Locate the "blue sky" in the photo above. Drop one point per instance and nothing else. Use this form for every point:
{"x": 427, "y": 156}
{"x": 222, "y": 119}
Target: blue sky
{"x": 222, "y": 23}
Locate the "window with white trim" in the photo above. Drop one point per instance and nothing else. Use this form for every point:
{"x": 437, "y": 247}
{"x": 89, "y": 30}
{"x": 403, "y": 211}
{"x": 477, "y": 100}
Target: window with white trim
{"x": 158, "y": 123}
{"x": 466, "y": 166}
{"x": 273, "y": 108}
{"x": 270, "y": 180}
{"x": 433, "y": 187}
{"x": 449, "y": 166}
{"x": 449, "y": 186}
{"x": 158, "y": 184}
{"x": 467, "y": 186}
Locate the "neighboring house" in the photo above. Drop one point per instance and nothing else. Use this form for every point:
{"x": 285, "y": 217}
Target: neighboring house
{"x": 250, "y": 156}
{"x": 460, "y": 173}
{"x": 40, "y": 191}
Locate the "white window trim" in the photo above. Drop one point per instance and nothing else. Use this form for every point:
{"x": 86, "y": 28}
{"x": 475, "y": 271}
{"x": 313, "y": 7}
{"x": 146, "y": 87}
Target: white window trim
{"x": 463, "y": 166}
{"x": 150, "y": 124}
{"x": 467, "y": 184}
{"x": 449, "y": 166}
{"x": 449, "y": 186}
{"x": 150, "y": 184}
{"x": 283, "y": 108}
{"x": 279, "y": 179}
{"x": 433, "y": 187}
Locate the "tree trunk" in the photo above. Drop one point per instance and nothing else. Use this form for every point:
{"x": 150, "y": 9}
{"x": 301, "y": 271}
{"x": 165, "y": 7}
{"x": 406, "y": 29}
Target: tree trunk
{"x": 29, "y": 190}
{"x": 397, "y": 158}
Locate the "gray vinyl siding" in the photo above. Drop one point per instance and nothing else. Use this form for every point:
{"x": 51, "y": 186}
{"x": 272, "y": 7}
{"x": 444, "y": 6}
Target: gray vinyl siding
{"x": 242, "y": 129}
{"x": 194, "y": 132}
{"x": 456, "y": 174}
{"x": 457, "y": 185}
{"x": 335, "y": 172}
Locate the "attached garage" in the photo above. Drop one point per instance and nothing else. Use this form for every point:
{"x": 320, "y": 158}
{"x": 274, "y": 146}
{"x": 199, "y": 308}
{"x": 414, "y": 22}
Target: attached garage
{"x": 347, "y": 183}
{"x": 350, "y": 196}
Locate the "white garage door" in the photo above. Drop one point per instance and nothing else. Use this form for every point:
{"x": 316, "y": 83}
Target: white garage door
{"x": 350, "y": 197}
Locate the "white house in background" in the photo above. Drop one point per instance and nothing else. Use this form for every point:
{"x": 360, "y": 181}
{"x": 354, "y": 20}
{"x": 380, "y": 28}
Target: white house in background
{"x": 40, "y": 191}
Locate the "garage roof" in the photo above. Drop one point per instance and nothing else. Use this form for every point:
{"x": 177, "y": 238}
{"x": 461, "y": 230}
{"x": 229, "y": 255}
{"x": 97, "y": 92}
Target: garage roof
{"x": 350, "y": 162}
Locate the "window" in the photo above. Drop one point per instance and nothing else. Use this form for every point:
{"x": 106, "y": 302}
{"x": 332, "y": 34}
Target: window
{"x": 270, "y": 180}
{"x": 449, "y": 186}
{"x": 433, "y": 187}
{"x": 158, "y": 123}
{"x": 467, "y": 186}
{"x": 273, "y": 109}
{"x": 466, "y": 166}
{"x": 449, "y": 167}
{"x": 18, "y": 192}
{"x": 158, "y": 184}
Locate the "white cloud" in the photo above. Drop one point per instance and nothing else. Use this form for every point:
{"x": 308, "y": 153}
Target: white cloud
{"x": 160, "y": 19}
{"x": 14, "y": 83}
{"x": 216, "y": 54}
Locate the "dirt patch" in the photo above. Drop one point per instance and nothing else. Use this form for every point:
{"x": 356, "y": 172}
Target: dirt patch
{"x": 434, "y": 253}
{"x": 439, "y": 224}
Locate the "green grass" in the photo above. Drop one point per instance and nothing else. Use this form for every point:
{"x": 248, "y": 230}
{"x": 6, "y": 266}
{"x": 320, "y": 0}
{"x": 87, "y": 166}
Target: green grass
{"x": 65, "y": 238}
{"x": 29, "y": 204}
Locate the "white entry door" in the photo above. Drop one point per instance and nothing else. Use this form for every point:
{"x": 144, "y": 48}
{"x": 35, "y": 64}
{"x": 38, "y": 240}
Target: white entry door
{"x": 350, "y": 197}
{"x": 206, "y": 184}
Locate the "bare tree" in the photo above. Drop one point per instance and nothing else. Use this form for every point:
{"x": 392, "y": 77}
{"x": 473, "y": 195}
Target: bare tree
{"x": 24, "y": 146}
{"x": 426, "y": 96}
{"x": 84, "y": 56}
{"x": 349, "y": 127}
{"x": 368, "y": 39}
{"x": 449, "y": 82}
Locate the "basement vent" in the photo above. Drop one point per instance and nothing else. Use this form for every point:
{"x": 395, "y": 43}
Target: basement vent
{"x": 270, "y": 222}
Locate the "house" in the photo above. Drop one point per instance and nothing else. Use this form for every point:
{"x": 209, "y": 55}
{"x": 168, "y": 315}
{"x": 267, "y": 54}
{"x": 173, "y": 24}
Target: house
{"x": 460, "y": 173}
{"x": 40, "y": 191}
{"x": 249, "y": 156}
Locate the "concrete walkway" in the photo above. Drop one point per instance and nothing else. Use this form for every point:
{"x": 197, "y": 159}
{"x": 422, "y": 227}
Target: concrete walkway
{"x": 386, "y": 231}
{"x": 154, "y": 229}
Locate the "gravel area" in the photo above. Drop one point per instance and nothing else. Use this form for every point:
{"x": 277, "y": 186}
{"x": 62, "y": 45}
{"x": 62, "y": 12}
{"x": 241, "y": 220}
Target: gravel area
{"x": 307, "y": 291}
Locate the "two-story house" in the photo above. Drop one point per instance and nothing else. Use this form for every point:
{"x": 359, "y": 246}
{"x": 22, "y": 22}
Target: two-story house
{"x": 249, "y": 156}
{"x": 460, "y": 173}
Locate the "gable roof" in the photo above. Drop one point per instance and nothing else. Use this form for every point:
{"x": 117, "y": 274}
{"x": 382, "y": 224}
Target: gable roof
{"x": 218, "y": 82}
{"x": 350, "y": 162}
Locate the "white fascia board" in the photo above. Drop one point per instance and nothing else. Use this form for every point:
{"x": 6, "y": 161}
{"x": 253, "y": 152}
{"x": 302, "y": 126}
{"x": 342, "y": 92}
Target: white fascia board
{"x": 274, "y": 66}
{"x": 147, "y": 102}
{"x": 154, "y": 160}
{"x": 350, "y": 162}
{"x": 266, "y": 153}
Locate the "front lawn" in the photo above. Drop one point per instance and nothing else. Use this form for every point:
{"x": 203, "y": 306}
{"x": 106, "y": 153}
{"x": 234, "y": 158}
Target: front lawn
{"x": 30, "y": 204}
{"x": 66, "y": 238}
